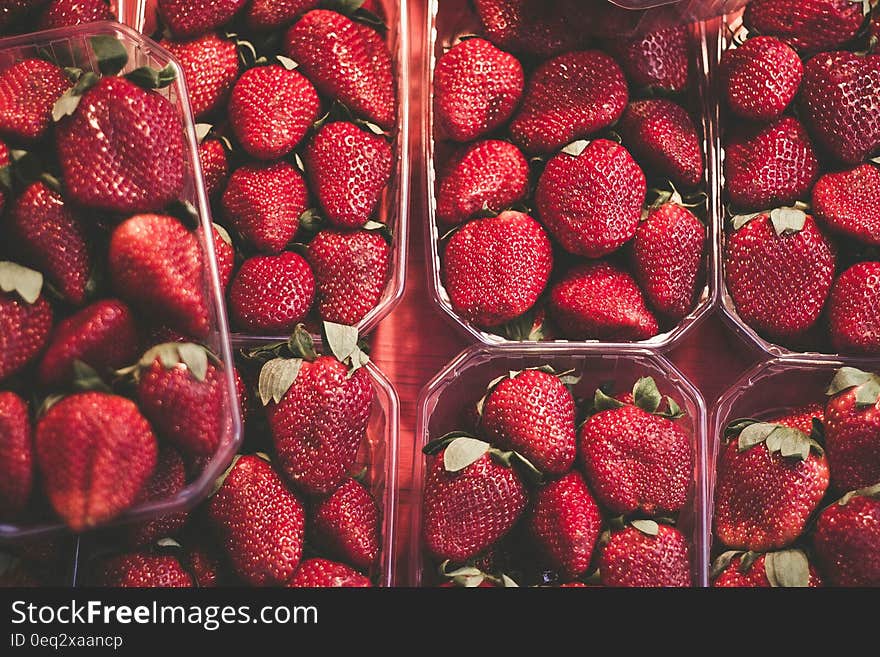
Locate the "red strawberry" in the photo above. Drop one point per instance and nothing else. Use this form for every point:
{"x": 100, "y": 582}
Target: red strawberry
{"x": 102, "y": 335}
{"x": 271, "y": 109}
{"x": 210, "y": 64}
{"x": 215, "y": 166}
{"x": 263, "y": 202}
{"x": 591, "y": 203}
{"x": 348, "y": 169}
{"x": 854, "y": 310}
{"x": 25, "y": 320}
{"x": 852, "y": 429}
{"x": 568, "y": 98}
{"x": 4, "y": 161}
{"x": 657, "y": 59}
{"x": 760, "y": 78}
{"x": 28, "y": 91}
{"x": 156, "y": 265}
{"x": 16, "y": 454}
{"x": 347, "y": 61}
{"x": 660, "y": 134}
{"x": 265, "y": 15}
{"x": 787, "y": 568}
{"x": 646, "y": 555}
{"x": 600, "y": 301}
{"x": 565, "y": 522}
{"x": 188, "y": 18}
{"x": 142, "y": 570}
{"x": 313, "y": 573}
{"x": 534, "y": 27}
{"x": 67, "y": 13}
{"x": 808, "y": 25}
{"x": 167, "y": 480}
{"x": 494, "y": 269}
{"x": 225, "y": 254}
{"x": 667, "y": 255}
{"x": 351, "y": 269}
{"x": 204, "y": 563}
{"x": 95, "y": 452}
{"x": 272, "y": 294}
{"x": 533, "y": 413}
{"x": 490, "y": 174}
{"x": 771, "y": 165}
{"x": 802, "y": 418}
{"x": 347, "y": 525}
{"x": 779, "y": 272}
{"x": 848, "y": 203}
{"x": 847, "y": 539}
{"x": 261, "y": 521}
{"x": 476, "y": 89}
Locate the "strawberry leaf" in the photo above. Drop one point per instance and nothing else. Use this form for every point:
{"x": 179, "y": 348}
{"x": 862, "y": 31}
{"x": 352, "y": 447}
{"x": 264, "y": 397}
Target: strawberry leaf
{"x": 276, "y": 377}
{"x": 847, "y": 377}
{"x": 300, "y": 344}
{"x": 219, "y": 481}
{"x": 754, "y": 434}
{"x": 286, "y": 62}
{"x": 27, "y": 283}
{"x": 870, "y": 491}
{"x": 602, "y": 402}
{"x": 575, "y": 148}
{"x": 736, "y": 426}
{"x": 508, "y": 582}
{"x": 647, "y": 527}
{"x": 223, "y": 233}
{"x": 85, "y": 377}
{"x": 343, "y": 342}
{"x": 787, "y": 221}
{"x": 203, "y": 130}
{"x": 147, "y": 77}
{"x": 195, "y": 357}
{"x": 110, "y": 53}
{"x": 439, "y": 444}
{"x": 674, "y": 411}
{"x": 787, "y": 569}
{"x": 722, "y": 562}
{"x": 740, "y": 220}
{"x": 646, "y": 395}
{"x": 868, "y": 393}
{"x": 462, "y": 452}
{"x": 168, "y": 543}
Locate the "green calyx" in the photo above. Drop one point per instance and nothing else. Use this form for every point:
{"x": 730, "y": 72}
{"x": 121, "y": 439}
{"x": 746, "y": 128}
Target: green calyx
{"x": 867, "y": 385}
{"x": 462, "y": 450}
{"x": 788, "y": 441}
{"x": 151, "y": 78}
{"x": 647, "y": 527}
{"x": 221, "y": 479}
{"x": 469, "y": 576}
{"x": 170, "y": 354}
{"x": 86, "y": 377}
{"x": 523, "y": 329}
{"x": 870, "y": 491}
{"x": 575, "y": 148}
{"x": 26, "y": 283}
{"x": 110, "y": 53}
{"x": 787, "y": 569}
{"x": 345, "y": 346}
{"x": 646, "y": 396}
{"x": 785, "y": 221}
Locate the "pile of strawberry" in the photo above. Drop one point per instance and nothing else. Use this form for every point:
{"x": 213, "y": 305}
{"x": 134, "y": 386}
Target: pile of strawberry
{"x": 547, "y": 234}
{"x": 797, "y": 496}
{"x": 802, "y": 124}
{"x": 535, "y": 500}
{"x": 22, "y": 16}
{"x": 297, "y": 108}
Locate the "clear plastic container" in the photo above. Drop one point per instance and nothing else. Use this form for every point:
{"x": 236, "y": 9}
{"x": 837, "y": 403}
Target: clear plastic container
{"x": 71, "y": 44}
{"x": 444, "y": 401}
{"x": 449, "y": 18}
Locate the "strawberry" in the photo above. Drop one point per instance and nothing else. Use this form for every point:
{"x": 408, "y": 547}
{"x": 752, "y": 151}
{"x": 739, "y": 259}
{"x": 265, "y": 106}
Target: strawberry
{"x": 635, "y": 459}
{"x": 271, "y": 294}
{"x": 25, "y": 318}
{"x": 215, "y": 166}
{"x": 167, "y": 480}
{"x": 16, "y": 454}
{"x": 532, "y": 412}
{"x": 489, "y": 175}
{"x": 67, "y": 13}
{"x": 225, "y": 254}
{"x": 840, "y": 104}
{"x": 848, "y": 203}
{"x": 4, "y": 162}
{"x": 347, "y": 61}
{"x": 313, "y": 573}
{"x": 565, "y": 523}
{"x": 204, "y": 562}
{"x": 847, "y": 539}
{"x": 854, "y": 311}
{"x": 600, "y": 301}
{"x": 779, "y": 270}
{"x": 591, "y": 202}
{"x": 852, "y": 429}
{"x": 534, "y": 27}
{"x": 262, "y": 523}
{"x": 568, "y": 98}
{"x": 156, "y": 265}
{"x": 102, "y": 335}
{"x": 263, "y": 202}
{"x": 770, "y": 165}
{"x": 808, "y": 25}
{"x": 190, "y": 18}
{"x": 646, "y": 554}
{"x": 662, "y": 135}
{"x": 760, "y": 78}
{"x": 28, "y": 91}
{"x": 95, "y": 451}
{"x": 348, "y": 169}
{"x": 786, "y": 568}
{"x": 658, "y": 59}
{"x": 476, "y": 89}
{"x": 351, "y": 269}
{"x": 266, "y": 15}
{"x": 494, "y": 269}
{"x": 802, "y": 418}
{"x": 346, "y": 524}
{"x": 142, "y": 570}
{"x": 770, "y": 478}
{"x": 210, "y": 65}
{"x": 270, "y": 110}
{"x": 667, "y": 256}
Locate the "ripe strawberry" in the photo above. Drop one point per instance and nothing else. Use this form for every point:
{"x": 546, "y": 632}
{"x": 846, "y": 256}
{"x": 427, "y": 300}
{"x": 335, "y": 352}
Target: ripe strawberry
{"x": 189, "y": 18}
{"x": 346, "y": 524}
{"x": 16, "y": 454}
{"x": 760, "y": 78}
{"x": 565, "y": 522}
{"x": 67, "y": 13}
{"x": 787, "y": 568}
{"x": 847, "y": 539}
{"x": 852, "y": 430}
{"x": 533, "y": 27}
{"x": 313, "y": 573}
{"x": 646, "y": 555}
{"x": 95, "y": 452}
{"x": 272, "y": 294}
{"x": 142, "y": 570}
{"x": 205, "y": 563}
{"x": 225, "y": 254}
{"x": 840, "y": 104}
{"x": 599, "y": 301}
{"x": 266, "y": 15}
{"x": 591, "y": 203}
{"x": 271, "y": 109}
{"x": 351, "y": 269}
{"x": 348, "y": 169}
{"x": 262, "y": 523}
{"x": 848, "y": 203}
{"x": 476, "y": 89}
{"x": 767, "y": 166}
{"x": 215, "y": 166}
{"x": 667, "y": 255}
{"x": 494, "y": 269}
{"x": 802, "y": 418}
{"x": 28, "y": 91}
{"x": 347, "y": 61}
{"x": 770, "y": 478}
{"x": 24, "y": 331}
{"x": 210, "y": 64}
{"x": 854, "y": 310}
{"x": 779, "y": 272}
{"x": 263, "y": 202}
{"x": 167, "y": 480}
{"x": 102, "y": 335}
{"x": 568, "y": 98}
{"x": 156, "y": 265}
{"x": 808, "y": 25}
{"x": 533, "y": 413}
{"x": 657, "y": 59}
